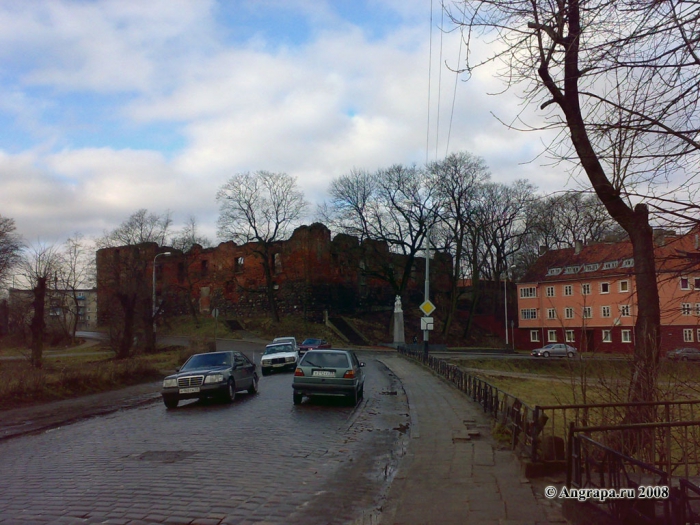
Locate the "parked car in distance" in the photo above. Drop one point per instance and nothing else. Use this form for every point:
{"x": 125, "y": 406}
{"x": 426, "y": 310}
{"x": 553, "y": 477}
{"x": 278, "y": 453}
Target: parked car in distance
{"x": 279, "y": 356}
{"x": 214, "y": 374}
{"x": 684, "y": 354}
{"x": 554, "y": 349}
{"x": 291, "y": 340}
{"x": 312, "y": 344}
{"x": 329, "y": 373}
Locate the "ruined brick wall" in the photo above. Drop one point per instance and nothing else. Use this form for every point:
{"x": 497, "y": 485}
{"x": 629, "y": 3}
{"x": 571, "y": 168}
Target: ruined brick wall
{"x": 311, "y": 273}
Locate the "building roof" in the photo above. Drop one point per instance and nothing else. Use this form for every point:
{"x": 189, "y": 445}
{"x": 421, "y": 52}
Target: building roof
{"x": 679, "y": 254}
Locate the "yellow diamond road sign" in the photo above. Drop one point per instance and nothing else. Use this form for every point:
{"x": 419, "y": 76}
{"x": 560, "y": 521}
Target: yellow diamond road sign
{"x": 427, "y": 308}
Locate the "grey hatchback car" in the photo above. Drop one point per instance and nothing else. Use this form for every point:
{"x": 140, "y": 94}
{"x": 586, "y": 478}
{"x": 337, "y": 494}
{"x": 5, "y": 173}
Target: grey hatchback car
{"x": 329, "y": 373}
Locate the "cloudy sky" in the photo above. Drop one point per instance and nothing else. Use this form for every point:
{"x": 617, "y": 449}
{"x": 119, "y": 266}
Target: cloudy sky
{"x": 111, "y": 106}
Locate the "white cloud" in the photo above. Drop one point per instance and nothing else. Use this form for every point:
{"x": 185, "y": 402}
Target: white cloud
{"x": 340, "y": 100}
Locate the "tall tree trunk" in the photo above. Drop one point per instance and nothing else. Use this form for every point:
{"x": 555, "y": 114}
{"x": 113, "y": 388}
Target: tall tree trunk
{"x": 38, "y": 323}
{"x": 634, "y": 221}
{"x": 270, "y": 287}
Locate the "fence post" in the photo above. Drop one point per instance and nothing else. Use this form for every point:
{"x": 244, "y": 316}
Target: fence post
{"x": 534, "y": 433}
{"x": 569, "y": 455}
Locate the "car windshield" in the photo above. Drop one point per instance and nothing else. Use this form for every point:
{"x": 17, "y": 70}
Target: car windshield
{"x": 311, "y": 341}
{"x": 326, "y": 360}
{"x": 207, "y": 361}
{"x": 282, "y": 340}
{"x": 278, "y": 349}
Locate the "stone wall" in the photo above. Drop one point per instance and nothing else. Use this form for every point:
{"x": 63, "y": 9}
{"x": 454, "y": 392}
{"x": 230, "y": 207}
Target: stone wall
{"x": 311, "y": 273}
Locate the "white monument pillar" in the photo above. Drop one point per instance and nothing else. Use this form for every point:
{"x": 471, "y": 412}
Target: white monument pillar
{"x": 399, "y": 337}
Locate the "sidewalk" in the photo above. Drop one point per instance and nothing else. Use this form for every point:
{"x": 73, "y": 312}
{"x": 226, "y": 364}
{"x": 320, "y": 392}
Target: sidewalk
{"x": 449, "y": 477}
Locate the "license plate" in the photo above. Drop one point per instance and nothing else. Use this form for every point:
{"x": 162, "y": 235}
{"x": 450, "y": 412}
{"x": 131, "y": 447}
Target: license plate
{"x": 189, "y": 390}
{"x": 323, "y": 373}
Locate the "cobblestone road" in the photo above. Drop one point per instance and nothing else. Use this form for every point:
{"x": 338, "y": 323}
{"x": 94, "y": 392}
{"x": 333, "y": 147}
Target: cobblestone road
{"x": 258, "y": 460}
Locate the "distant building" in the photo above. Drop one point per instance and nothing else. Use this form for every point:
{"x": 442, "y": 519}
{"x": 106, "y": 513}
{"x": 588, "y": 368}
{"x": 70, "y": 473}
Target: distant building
{"x": 61, "y": 308}
{"x": 586, "y": 296}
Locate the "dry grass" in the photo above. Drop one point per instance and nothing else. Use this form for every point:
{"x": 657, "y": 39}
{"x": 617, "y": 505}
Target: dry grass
{"x": 72, "y": 376}
{"x": 564, "y": 381}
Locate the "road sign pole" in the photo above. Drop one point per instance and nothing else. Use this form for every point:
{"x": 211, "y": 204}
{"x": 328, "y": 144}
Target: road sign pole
{"x": 426, "y": 333}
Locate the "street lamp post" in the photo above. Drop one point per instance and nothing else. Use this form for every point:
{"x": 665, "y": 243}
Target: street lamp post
{"x": 155, "y": 310}
{"x": 505, "y": 301}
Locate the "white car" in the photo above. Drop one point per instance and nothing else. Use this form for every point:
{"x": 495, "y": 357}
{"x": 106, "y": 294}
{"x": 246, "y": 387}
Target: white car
{"x": 279, "y": 356}
{"x": 291, "y": 340}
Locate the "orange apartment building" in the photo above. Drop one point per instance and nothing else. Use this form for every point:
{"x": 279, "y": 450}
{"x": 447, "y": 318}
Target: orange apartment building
{"x": 586, "y": 296}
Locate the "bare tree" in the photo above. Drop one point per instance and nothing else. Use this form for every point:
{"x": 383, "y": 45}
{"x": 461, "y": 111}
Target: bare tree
{"x": 188, "y": 236}
{"x": 10, "y": 247}
{"x": 622, "y": 79}
{"x": 396, "y": 206}
{"x": 38, "y": 267}
{"x": 260, "y": 208}
{"x": 351, "y": 198}
{"x": 75, "y": 272}
{"x": 457, "y": 180}
{"x": 140, "y": 227}
{"x": 126, "y": 276}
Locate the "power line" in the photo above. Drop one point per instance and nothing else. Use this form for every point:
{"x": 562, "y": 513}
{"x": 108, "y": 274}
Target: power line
{"x": 430, "y": 63}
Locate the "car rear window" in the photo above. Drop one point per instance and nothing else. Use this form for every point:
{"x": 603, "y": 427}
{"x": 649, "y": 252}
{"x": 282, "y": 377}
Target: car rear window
{"x": 326, "y": 360}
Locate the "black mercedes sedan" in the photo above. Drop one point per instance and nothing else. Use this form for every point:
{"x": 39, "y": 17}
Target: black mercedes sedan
{"x": 214, "y": 374}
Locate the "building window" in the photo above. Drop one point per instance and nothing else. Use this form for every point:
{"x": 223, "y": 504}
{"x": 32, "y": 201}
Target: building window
{"x": 685, "y": 309}
{"x": 607, "y": 336}
{"x": 591, "y": 267}
{"x": 698, "y": 334}
{"x": 696, "y": 283}
{"x": 238, "y": 264}
{"x": 626, "y": 336}
{"x": 610, "y": 265}
{"x": 605, "y": 311}
{"x": 570, "y": 336}
{"x": 528, "y": 313}
{"x": 628, "y": 263}
{"x": 551, "y": 313}
{"x": 277, "y": 262}
{"x": 568, "y": 290}
{"x": 604, "y": 287}
{"x": 569, "y": 312}
{"x": 535, "y": 336}
{"x": 697, "y": 308}
{"x": 550, "y": 291}
{"x": 587, "y": 312}
{"x": 685, "y": 283}
{"x": 687, "y": 335}
{"x": 625, "y": 310}
{"x": 205, "y": 268}
{"x": 586, "y": 289}
{"x": 624, "y": 286}
{"x": 552, "y": 336}
{"x": 529, "y": 291}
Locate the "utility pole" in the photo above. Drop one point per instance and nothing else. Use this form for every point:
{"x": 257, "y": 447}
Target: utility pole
{"x": 426, "y": 331}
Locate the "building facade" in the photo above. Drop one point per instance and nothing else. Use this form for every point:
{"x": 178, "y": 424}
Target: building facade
{"x": 311, "y": 272}
{"x": 586, "y": 296}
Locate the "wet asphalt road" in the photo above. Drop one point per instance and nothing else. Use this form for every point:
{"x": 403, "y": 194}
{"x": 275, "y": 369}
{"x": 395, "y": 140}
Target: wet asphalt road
{"x": 259, "y": 459}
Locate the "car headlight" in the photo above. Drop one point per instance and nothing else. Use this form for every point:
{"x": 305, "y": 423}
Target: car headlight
{"x": 214, "y": 378}
{"x": 169, "y": 383}
{"x": 265, "y": 362}
{"x": 290, "y": 359}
